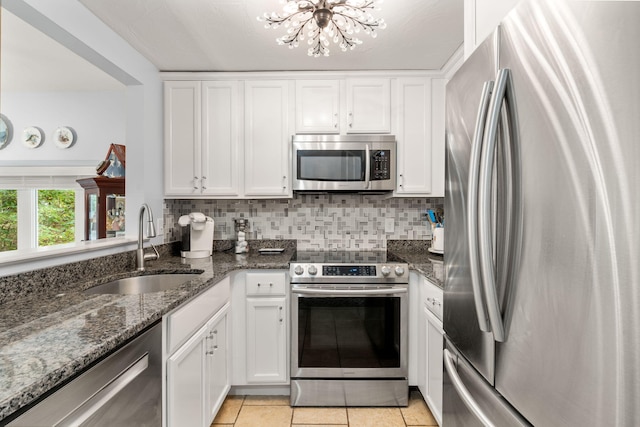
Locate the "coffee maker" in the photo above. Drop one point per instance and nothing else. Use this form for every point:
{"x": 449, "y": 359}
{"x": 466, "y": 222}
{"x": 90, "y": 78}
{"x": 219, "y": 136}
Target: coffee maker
{"x": 197, "y": 235}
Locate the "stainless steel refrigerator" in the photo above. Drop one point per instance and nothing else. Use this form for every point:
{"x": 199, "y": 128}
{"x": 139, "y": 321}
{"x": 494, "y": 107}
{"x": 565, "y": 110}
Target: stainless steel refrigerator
{"x": 542, "y": 288}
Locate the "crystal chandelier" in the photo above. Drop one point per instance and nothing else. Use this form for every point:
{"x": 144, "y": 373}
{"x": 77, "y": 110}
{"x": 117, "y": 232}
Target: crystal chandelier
{"x": 320, "y": 21}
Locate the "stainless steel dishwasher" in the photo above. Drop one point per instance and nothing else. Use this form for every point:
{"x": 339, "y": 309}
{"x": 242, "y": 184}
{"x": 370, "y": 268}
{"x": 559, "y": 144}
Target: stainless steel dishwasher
{"x": 125, "y": 389}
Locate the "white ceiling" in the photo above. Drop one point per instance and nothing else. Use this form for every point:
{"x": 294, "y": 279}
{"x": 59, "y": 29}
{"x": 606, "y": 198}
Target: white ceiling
{"x": 224, "y": 35}
{"x": 31, "y": 61}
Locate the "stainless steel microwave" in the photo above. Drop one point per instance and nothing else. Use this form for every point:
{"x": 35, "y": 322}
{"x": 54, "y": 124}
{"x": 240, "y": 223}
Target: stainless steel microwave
{"x": 348, "y": 163}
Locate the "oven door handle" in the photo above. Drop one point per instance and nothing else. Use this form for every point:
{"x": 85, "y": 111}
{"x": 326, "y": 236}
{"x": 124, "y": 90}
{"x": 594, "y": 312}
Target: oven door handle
{"x": 353, "y": 292}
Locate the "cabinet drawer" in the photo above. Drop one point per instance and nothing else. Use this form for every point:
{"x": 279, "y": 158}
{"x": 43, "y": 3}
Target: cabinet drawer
{"x": 266, "y": 284}
{"x": 185, "y": 320}
{"x": 433, "y": 299}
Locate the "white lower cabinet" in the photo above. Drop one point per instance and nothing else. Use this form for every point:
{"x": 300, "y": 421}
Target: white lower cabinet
{"x": 430, "y": 352}
{"x": 197, "y": 377}
{"x": 260, "y": 352}
{"x": 196, "y": 370}
{"x": 434, "y": 364}
{"x": 266, "y": 340}
{"x": 216, "y": 371}
{"x": 185, "y": 383}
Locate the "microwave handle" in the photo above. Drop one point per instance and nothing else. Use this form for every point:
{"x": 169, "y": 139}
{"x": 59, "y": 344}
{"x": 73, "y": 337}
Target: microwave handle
{"x": 367, "y": 172}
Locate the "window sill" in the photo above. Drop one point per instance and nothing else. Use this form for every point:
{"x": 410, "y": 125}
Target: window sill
{"x": 31, "y": 259}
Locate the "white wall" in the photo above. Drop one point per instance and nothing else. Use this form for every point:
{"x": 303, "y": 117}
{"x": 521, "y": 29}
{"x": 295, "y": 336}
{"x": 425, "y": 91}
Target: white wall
{"x": 71, "y": 24}
{"x": 98, "y": 118}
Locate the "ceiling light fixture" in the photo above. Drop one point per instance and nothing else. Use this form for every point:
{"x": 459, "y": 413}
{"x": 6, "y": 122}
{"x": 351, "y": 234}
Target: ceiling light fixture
{"x": 321, "y": 21}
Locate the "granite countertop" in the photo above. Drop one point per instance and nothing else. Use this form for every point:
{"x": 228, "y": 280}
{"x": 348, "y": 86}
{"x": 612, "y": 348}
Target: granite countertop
{"x": 429, "y": 265}
{"x": 47, "y": 338}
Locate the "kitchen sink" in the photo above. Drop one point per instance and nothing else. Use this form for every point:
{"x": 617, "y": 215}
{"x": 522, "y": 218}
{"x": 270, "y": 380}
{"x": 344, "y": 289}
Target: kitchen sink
{"x": 142, "y": 284}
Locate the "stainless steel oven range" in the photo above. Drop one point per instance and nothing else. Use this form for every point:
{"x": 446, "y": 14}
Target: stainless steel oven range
{"x": 349, "y": 330}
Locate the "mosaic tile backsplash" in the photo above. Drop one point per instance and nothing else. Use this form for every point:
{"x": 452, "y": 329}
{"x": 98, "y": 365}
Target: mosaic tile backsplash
{"x": 317, "y": 222}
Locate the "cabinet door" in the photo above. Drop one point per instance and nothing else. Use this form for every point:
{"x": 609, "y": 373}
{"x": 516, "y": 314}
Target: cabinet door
{"x": 186, "y": 383}
{"x": 221, "y": 148}
{"x": 422, "y": 350}
{"x": 368, "y": 106}
{"x": 434, "y": 365}
{"x": 267, "y": 139}
{"x": 182, "y": 133}
{"x": 266, "y": 340}
{"x": 317, "y": 106}
{"x": 217, "y": 374}
{"x": 414, "y": 137}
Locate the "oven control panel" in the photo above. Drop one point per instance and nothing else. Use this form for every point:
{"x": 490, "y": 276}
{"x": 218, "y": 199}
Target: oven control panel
{"x": 332, "y": 272}
{"x": 348, "y": 270}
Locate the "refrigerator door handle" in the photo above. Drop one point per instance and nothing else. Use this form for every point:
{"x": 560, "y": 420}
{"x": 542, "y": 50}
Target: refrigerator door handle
{"x": 472, "y": 206}
{"x": 503, "y": 81}
{"x": 462, "y": 390}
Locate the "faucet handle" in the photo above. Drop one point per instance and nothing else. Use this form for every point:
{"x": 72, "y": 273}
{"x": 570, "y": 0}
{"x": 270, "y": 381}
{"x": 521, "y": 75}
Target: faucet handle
{"x": 151, "y": 257}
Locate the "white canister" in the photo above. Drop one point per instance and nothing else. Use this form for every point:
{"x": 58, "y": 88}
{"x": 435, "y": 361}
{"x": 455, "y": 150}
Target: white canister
{"x": 437, "y": 241}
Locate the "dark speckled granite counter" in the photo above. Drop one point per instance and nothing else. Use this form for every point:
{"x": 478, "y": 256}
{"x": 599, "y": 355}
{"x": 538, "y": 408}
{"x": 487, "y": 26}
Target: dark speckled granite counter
{"x": 416, "y": 254}
{"x": 49, "y": 335}
{"x": 50, "y": 331}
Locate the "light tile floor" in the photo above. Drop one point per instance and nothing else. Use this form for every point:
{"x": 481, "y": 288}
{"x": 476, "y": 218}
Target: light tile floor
{"x": 274, "y": 411}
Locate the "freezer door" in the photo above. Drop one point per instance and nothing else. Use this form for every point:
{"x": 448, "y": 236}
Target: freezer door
{"x": 461, "y": 315}
{"x": 572, "y": 326}
{"x": 469, "y": 401}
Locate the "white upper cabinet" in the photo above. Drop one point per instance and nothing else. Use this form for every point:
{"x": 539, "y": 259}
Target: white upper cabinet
{"x": 267, "y": 139}
{"x": 231, "y": 138}
{"x": 182, "y": 130}
{"x": 221, "y": 147}
{"x": 317, "y": 106}
{"x": 202, "y": 147}
{"x": 414, "y": 136}
{"x": 368, "y": 105}
{"x": 421, "y": 137}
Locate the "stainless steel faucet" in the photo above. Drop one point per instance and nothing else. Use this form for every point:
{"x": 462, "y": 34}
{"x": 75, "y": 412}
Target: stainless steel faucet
{"x": 141, "y": 257}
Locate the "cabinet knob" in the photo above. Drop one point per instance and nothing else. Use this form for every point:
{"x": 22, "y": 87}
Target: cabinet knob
{"x": 271, "y": 285}
{"x": 350, "y": 120}
{"x": 195, "y": 182}
{"x": 203, "y": 184}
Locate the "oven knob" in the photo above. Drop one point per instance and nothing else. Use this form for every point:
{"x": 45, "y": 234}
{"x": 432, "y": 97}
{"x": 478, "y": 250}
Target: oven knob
{"x": 385, "y": 270}
{"x": 313, "y": 270}
{"x": 298, "y": 270}
{"x": 399, "y": 271}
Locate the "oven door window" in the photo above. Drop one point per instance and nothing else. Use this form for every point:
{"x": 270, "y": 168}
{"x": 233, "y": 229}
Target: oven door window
{"x": 331, "y": 165}
{"x": 349, "y": 332}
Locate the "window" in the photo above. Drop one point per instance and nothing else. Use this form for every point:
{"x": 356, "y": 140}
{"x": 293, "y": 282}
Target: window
{"x": 56, "y": 217}
{"x": 40, "y": 207}
{"x": 8, "y": 220}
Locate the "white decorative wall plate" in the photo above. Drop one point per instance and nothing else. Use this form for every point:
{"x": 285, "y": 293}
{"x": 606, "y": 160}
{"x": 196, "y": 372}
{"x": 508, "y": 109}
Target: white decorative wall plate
{"x": 32, "y": 137}
{"x": 64, "y": 137}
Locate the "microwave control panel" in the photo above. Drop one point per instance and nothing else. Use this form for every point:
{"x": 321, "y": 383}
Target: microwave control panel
{"x": 380, "y": 165}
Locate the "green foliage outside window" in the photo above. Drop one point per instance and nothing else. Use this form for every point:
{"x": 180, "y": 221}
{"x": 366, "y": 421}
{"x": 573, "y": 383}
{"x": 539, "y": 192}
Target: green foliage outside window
{"x": 56, "y": 217}
{"x": 8, "y": 220}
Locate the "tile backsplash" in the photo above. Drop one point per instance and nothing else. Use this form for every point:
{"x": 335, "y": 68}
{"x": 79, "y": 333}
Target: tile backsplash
{"x": 317, "y": 222}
